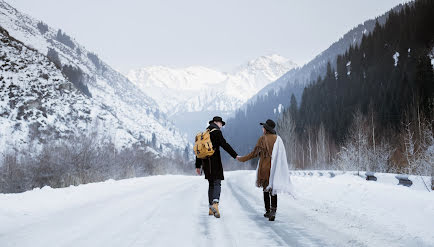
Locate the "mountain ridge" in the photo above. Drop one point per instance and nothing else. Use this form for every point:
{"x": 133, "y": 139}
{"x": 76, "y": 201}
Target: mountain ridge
{"x": 236, "y": 86}
{"x": 192, "y": 95}
{"x": 310, "y": 71}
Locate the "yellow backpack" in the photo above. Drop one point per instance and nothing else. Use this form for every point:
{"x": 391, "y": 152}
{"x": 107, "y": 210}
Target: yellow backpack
{"x": 202, "y": 145}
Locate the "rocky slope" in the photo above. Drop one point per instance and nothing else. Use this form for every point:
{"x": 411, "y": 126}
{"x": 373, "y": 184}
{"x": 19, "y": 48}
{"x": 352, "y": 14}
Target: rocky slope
{"x": 136, "y": 115}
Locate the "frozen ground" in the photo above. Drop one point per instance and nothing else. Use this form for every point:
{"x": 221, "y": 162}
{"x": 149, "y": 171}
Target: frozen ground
{"x": 172, "y": 211}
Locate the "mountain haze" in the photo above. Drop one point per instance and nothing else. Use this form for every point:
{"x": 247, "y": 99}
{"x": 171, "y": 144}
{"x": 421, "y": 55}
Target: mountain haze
{"x": 189, "y": 96}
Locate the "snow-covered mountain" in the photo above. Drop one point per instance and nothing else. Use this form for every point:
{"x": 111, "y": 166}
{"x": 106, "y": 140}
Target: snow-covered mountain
{"x": 198, "y": 88}
{"x": 190, "y": 96}
{"x": 123, "y": 109}
{"x": 37, "y": 101}
{"x": 297, "y": 79}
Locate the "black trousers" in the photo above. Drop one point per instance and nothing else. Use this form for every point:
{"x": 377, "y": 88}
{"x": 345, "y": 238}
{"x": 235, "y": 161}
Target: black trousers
{"x": 214, "y": 190}
{"x": 270, "y": 198}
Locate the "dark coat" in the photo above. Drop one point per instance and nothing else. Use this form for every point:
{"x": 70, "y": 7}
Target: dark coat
{"x": 213, "y": 167}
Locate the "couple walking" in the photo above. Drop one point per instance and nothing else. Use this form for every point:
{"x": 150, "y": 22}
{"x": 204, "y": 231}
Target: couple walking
{"x": 272, "y": 173}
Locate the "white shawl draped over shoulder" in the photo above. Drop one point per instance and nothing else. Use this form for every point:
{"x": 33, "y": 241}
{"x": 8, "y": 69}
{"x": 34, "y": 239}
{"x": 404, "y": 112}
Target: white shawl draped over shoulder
{"x": 280, "y": 181}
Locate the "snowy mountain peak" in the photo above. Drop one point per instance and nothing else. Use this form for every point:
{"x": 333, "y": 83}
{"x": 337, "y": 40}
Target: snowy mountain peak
{"x": 203, "y": 91}
{"x": 261, "y": 71}
{"x": 189, "y": 78}
{"x": 264, "y": 61}
{"x": 173, "y": 88}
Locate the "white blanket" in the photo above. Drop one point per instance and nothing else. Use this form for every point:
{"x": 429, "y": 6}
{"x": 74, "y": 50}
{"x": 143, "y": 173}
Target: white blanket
{"x": 280, "y": 181}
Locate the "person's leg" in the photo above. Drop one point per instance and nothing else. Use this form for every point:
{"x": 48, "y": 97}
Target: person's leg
{"x": 217, "y": 190}
{"x": 273, "y": 207}
{"x": 267, "y": 201}
{"x": 274, "y": 201}
{"x": 216, "y": 197}
{"x": 267, "y": 204}
{"x": 210, "y": 191}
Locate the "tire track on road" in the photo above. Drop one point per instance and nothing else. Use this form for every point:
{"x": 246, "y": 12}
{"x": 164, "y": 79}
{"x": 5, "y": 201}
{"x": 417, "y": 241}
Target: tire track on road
{"x": 286, "y": 234}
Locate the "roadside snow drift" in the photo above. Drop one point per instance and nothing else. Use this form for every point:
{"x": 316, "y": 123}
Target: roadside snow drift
{"x": 172, "y": 210}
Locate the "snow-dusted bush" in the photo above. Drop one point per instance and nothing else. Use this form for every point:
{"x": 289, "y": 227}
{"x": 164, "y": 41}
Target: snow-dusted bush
{"x": 417, "y": 139}
{"x": 359, "y": 152}
{"x": 95, "y": 60}
{"x": 82, "y": 159}
{"x": 65, "y": 39}
{"x": 53, "y": 56}
{"x": 43, "y": 28}
{"x": 77, "y": 77}
{"x": 354, "y": 154}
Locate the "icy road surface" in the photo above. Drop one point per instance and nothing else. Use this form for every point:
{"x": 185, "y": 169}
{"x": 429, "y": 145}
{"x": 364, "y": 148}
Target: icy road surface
{"x": 173, "y": 211}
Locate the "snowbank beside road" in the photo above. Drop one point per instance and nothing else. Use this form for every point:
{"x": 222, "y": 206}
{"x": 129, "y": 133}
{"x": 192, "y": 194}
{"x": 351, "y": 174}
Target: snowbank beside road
{"x": 418, "y": 182}
{"x": 386, "y": 207}
{"x": 364, "y": 208}
{"x": 345, "y": 210}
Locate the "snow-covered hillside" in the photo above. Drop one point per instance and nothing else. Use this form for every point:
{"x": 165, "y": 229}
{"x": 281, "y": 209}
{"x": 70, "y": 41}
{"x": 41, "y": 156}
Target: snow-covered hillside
{"x": 39, "y": 103}
{"x": 197, "y": 88}
{"x": 136, "y": 115}
{"x": 173, "y": 211}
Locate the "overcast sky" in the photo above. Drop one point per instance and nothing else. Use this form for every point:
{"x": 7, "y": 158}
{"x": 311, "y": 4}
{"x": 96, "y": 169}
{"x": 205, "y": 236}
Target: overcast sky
{"x": 220, "y": 34}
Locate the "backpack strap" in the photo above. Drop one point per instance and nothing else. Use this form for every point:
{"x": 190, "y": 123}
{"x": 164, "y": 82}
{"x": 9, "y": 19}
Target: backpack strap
{"x": 214, "y": 148}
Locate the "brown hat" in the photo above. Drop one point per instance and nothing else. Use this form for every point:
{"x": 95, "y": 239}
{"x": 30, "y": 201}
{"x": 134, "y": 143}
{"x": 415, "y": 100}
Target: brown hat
{"x": 217, "y": 119}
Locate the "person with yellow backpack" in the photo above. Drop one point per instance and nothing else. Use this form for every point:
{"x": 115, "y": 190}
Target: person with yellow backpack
{"x": 207, "y": 149}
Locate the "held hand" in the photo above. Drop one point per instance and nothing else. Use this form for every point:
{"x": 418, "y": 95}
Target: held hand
{"x": 198, "y": 171}
{"x": 238, "y": 158}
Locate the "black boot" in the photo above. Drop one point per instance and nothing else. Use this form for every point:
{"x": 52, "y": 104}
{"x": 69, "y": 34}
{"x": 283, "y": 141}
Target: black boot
{"x": 267, "y": 213}
{"x": 272, "y": 214}
{"x": 267, "y": 204}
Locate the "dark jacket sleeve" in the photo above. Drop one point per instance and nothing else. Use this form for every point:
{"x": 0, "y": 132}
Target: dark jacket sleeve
{"x": 198, "y": 162}
{"x": 222, "y": 143}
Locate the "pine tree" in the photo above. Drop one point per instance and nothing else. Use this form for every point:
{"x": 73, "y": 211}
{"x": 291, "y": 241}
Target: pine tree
{"x": 293, "y": 107}
{"x": 43, "y": 28}
{"x": 53, "y": 56}
{"x": 154, "y": 140}
{"x": 186, "y": 153}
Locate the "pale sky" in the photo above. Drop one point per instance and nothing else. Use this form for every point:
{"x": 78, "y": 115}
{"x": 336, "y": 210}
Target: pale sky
{"x": 220, "y": 34}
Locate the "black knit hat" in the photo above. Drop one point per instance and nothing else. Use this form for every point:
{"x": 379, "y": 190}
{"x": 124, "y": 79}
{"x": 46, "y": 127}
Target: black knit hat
{"x": 269, "y": 125}
{"x": 217, "y": 119}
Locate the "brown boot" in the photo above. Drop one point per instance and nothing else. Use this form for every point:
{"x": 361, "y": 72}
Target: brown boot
{"x": 210, "y": 212}
{"x": 215, "y": 209}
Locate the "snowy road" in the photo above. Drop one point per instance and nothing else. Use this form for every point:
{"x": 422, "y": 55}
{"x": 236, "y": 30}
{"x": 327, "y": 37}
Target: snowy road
{"x": 172, "y": 210}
